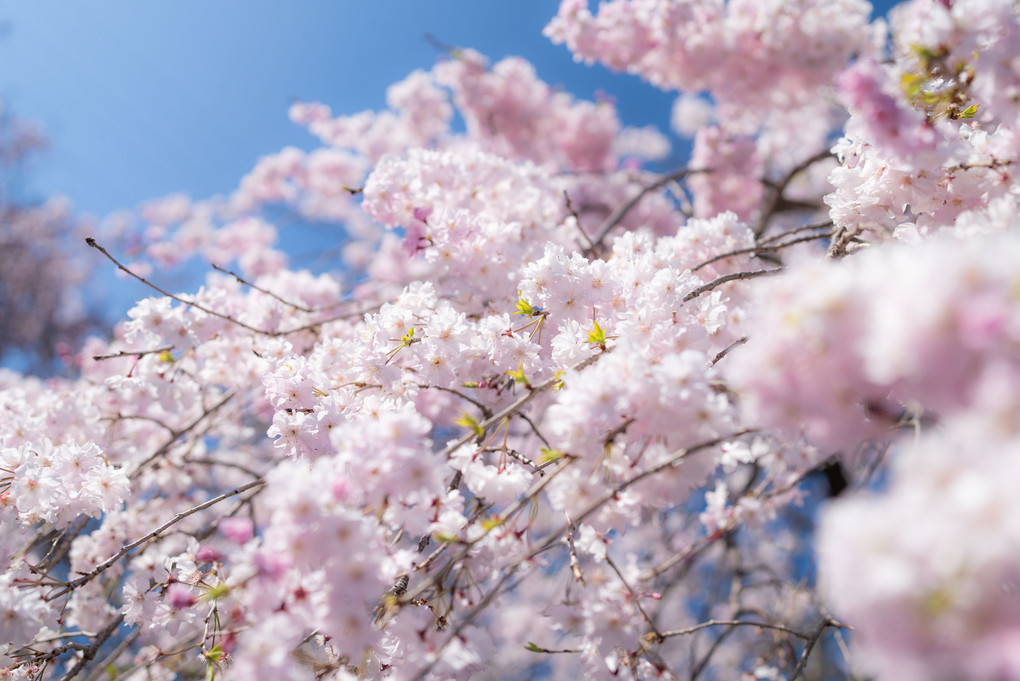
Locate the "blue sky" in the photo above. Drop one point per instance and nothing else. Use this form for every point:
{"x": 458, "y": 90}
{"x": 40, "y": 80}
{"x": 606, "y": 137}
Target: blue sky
{"x": 142, "y": 98}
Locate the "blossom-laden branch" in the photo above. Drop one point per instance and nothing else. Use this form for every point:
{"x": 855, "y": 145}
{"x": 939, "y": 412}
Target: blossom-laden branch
{"x": 617, "y": 216}
{"x": 219, "y": 315}
{"x": 73, "y": 584}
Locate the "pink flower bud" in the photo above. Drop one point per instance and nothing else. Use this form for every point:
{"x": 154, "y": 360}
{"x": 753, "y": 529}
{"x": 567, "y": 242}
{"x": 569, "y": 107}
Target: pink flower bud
{"x": 237, "y": 530}
{"x": 180, "y": 596}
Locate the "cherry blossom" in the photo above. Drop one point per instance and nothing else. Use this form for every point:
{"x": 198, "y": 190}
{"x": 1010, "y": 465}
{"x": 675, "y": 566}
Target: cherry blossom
{"x": 558, "y": 413}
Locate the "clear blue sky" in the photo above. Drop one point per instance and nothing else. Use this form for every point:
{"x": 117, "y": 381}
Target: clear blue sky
{"x": 141, "y": 98}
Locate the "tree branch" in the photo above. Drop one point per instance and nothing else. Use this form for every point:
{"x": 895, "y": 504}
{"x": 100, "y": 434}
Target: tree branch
{"x": 127, "y": 548}
{"x": 617, "y": 215}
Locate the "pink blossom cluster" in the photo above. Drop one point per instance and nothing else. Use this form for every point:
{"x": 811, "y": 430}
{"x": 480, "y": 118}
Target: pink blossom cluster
{"x": 883, "y": 343}
{"x": 561, "y": 415}
{"x": 752, "y": 56}
{"x": 934, "y": 133}
{"x": 934, "y": 593}
{"x": 840, "y": 359}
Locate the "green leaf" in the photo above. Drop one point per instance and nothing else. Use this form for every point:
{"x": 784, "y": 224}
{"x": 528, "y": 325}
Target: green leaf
{"x": 492, "y": 522}
{"x": 598, "y": 336}
{"x": 534, "y": 648}
{"x": 218, "y": 590}
{"x": 550, "y": 454}
{"x": 924, "y": 54}
{"x": 968, "y": 112}
{"x": 912, "y": 84}
{"x": 470, "y": 422}
{"x": 525, "y": 308}
{"x": 518, "y": 374}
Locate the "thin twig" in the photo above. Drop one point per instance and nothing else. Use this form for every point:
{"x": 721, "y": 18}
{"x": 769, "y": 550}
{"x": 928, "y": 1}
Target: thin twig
{"x": 534, "y": 428}
{"x": 531, "y": 647}
{"x": 758, "y": 249}
{"x": 210, "y": 461}
{"x": 127, "y": 548}
{"x": 776, "y": 195}
{"x": 133, "y": 353}
{"x": 177, "y": 434}
{"x": 94, "y": 647}
{"x": 247, "y": 283}
{"x": 198, "y": 306}
{"x": 729, "y": 277}
{"x": 617, "y": 215}
{"x": 486, "y": 412}
{"x": 827, "y": 224}
{"x": 733, "y": 623}
{"x": 62, "y": 544}
{"x": 684, "y": 556}
{"x": 808, "y": 647}
{"x": 512, "y": 408}
{"x": 577, "y": 219}
{"x": 637, "y": 600}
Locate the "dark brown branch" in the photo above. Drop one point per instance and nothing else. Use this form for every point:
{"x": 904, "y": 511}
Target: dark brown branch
{"x": 776, "y": 199}
{"x": 198, "y": 306}
{"x": 272, "y": 295}
{"x": 809, "y": 646}
{"x": 758, "y": 249}
{"x": 94, "y": 647}
{"x": 131, "y": 546}
{"x": 725, "y": 351}
{"x": 133, "y": 353}
{"x": 175, "y": 434}
{"x": 728, "y": 277}
{"x": 577, "y": 219}
{"x": 517, "y": 456}
{"x": 617, "y": 215}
